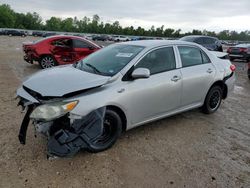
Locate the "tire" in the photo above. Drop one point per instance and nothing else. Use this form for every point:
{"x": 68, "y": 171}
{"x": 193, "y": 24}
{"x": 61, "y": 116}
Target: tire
{"x": 112, "y": 131}
{"x": 47, "y": 62}
{"x": 213, "y": 100}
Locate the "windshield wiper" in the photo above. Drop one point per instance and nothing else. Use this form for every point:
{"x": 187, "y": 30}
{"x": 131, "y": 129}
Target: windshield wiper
{"x": 94, "y": 68}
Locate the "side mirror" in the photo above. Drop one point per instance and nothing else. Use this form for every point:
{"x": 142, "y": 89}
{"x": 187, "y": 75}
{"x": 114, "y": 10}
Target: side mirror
{"x": 141, "y": 73}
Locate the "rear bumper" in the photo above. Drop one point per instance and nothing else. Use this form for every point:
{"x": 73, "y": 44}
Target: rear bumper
{"x": 230, "y": 82}
{"x": 30, "y": 58}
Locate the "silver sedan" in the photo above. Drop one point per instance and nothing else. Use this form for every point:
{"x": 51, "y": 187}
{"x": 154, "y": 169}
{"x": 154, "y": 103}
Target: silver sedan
{"x": 87, "y": 105}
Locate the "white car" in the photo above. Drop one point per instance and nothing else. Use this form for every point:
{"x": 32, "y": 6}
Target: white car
{"x": 119, "y": 38}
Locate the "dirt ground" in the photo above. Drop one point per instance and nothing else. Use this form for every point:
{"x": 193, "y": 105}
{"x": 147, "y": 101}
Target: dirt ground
{"x": 186, "y": 150}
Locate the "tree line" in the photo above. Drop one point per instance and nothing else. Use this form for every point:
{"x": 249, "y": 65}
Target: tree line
{"x": 33, "y": 21}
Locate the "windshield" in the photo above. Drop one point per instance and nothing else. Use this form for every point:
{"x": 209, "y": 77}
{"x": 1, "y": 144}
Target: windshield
{"x": 109, "y": 60}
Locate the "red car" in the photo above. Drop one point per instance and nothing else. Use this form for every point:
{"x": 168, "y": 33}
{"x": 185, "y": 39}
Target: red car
{"x": 58, "y": 50}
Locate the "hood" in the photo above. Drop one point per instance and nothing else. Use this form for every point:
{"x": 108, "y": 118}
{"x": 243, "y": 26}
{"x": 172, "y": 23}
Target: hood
{"x": 62, "y": 80}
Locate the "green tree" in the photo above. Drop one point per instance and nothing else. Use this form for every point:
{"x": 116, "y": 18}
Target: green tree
{"x": 53, "y": 24}
{"x": 7, "y": 16}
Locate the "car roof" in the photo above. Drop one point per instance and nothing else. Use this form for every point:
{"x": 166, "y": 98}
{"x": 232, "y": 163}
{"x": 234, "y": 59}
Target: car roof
{"x": 199, "y": 36}
{"x": 64, "y": 36}
{"x": 155, "y": 43}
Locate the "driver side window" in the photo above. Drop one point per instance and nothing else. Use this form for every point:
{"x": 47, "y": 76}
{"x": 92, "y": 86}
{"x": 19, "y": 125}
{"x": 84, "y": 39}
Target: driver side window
{"x": 158, "y": 61}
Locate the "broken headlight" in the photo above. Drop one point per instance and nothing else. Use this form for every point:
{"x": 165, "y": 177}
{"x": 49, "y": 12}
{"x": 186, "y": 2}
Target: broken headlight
{"x": 48, "y": 112}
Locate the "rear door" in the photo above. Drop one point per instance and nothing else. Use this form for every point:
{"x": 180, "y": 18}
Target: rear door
{"x": 62, "y": 50}
{"x": 197, "y": 75}
{"x": 82, "y": 49}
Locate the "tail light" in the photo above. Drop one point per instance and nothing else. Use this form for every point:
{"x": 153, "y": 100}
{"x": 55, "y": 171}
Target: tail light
{"x": 229, "y": 50}
{"x": 232, "y": 67}
{"x": 243, "y": 49}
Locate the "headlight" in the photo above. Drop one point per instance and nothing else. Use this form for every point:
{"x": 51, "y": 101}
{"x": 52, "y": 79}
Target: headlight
{"x": 48, "y": 112}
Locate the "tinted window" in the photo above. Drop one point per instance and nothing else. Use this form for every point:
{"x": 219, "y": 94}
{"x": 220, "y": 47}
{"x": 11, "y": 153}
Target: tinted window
{"x": 158, "y": 60}
{"x": 188, "y": 38}
{"x": 209, "y": 41}
{"x": 199, "y": 41}
{"x": 80, "y": 44}
{"x": 190, "y": 56}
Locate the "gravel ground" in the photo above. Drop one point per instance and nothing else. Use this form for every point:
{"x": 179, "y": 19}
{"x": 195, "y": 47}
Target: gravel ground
{"x": 187, "y": 150}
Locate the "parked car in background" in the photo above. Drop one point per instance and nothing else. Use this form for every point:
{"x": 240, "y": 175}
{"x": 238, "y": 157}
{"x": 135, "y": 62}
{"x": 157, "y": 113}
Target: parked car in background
{"x": 211, "y": 43}
{"x": 88, "y": 37}
{"x": 119, "y": 38}
{"x": 89, "y": 104}
{"x": 48, "y": 34}
{"x": 58, "y": 50}
{"x": 15, "y": 33}
{"x": 240, "y": 51}
{"x": 2, "y": 32}
{"x": 37, "y": 33}
{"x": 101, "y": 38}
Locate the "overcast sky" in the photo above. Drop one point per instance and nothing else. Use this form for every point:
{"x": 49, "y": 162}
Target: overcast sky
{"x": 213, "y": 15}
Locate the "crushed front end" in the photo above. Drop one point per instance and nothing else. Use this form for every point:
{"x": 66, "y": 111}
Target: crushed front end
{"x": 67, "y": 133}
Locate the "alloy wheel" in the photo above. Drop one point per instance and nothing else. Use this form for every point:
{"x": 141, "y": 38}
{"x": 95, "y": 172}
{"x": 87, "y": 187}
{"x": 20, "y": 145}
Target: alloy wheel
{"x": 47, "y": 62}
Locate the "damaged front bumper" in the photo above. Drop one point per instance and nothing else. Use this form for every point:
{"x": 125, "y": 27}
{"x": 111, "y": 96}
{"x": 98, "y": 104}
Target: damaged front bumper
{"x": 66, "y": 134}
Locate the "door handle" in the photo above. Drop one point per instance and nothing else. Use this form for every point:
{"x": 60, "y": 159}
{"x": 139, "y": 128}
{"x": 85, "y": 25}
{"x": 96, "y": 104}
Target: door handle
{"x": 209, "y": 71}
{"x": 175, "y": 78}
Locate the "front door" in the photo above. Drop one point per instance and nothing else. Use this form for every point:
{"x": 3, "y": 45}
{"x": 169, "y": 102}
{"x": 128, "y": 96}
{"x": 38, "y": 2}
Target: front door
{"x": 160, "y": 93}
{"x": 82, "y": 49}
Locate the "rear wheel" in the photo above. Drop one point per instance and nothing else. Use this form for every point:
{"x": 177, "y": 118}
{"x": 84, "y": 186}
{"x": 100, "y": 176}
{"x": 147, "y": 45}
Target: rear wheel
{"x": 112, "y": 129}
{"x": 47, "y": 62}
{"x": 213, "y": 100}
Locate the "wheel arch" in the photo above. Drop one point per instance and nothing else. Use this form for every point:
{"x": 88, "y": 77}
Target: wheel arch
{"x": 223, "y": 87}
{"x": 121, "y": 113}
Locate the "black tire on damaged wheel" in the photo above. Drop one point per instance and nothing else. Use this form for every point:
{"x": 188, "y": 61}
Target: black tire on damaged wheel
{"x": 213, "y": 100}
{"x": 47, "y": 61}
{"x": 112, "y": 131}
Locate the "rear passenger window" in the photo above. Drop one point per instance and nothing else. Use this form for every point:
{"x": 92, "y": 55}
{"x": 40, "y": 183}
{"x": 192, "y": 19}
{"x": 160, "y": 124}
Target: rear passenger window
{"x": 159, "y": 60}
{"x": 80, "y": 44}
{"x": 205, "y": 58}
{"x": 190, "y": 56}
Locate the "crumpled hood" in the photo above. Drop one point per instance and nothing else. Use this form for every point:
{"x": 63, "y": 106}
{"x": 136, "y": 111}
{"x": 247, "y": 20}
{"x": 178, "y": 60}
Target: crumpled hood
{"x": 58, "y": 81}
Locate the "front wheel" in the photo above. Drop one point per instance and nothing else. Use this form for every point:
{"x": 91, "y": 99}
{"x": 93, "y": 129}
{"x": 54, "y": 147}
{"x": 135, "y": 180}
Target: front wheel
{"x": 112, "y": 129}
{"x": 47, "y": 62}
{"x": 213, "y": 100}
